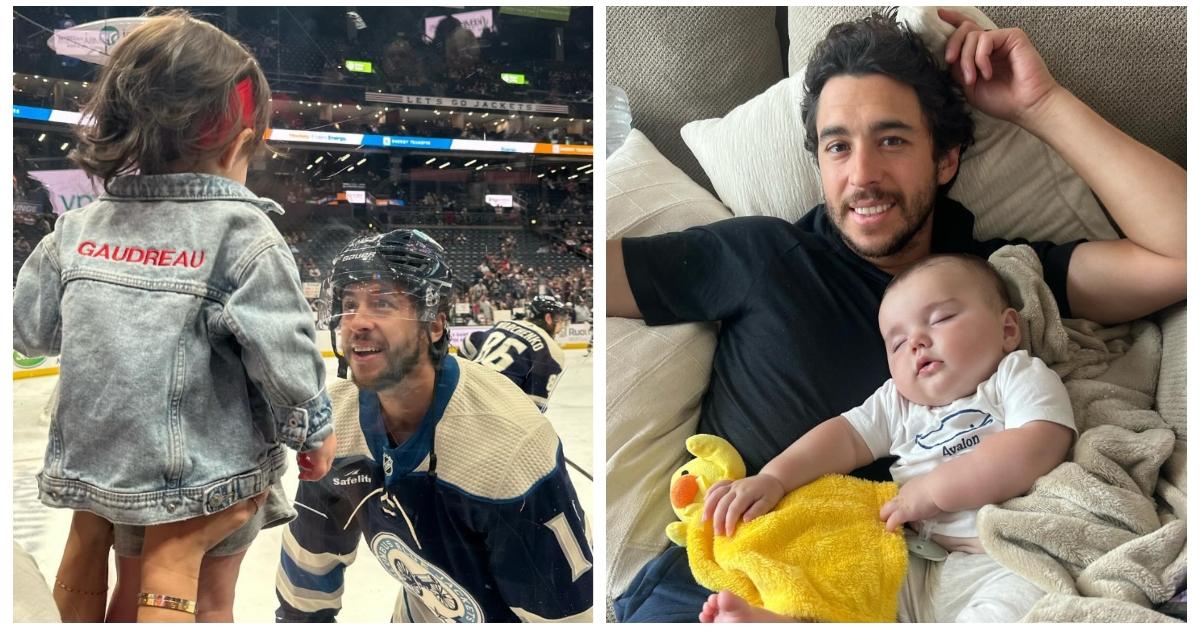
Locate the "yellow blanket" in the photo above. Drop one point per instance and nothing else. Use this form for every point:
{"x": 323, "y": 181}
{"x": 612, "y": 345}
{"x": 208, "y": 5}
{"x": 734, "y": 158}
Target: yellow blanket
{"x": 822, "y": 554}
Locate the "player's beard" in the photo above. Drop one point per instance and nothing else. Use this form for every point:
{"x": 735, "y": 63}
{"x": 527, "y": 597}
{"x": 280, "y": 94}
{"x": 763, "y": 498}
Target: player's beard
{"x": 914, "y": 213}
{"x": 399, "y": 363}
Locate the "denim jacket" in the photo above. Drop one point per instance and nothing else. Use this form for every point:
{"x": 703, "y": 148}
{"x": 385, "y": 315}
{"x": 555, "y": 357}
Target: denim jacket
{"x": 188, "y": 353}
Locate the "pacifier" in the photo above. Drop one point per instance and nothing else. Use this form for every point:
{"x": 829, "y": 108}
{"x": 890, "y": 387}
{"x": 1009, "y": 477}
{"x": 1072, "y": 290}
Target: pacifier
{"x": 920, "y": 544}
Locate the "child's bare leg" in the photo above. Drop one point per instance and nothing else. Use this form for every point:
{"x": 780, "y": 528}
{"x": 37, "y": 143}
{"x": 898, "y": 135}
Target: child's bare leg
{"x": 729, "y": 608}
{"x": 172, "y": 554}
{"x": 123, "y": 606}
{"x": 218, "y": 580}
{"x": 81, "y": 586}
{"x": 170, "y": 567}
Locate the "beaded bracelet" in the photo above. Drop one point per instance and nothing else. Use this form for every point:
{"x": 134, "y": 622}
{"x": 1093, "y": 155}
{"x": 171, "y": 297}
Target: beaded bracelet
{"x": 166, "y": 601}
{"x": 68, "y": 589}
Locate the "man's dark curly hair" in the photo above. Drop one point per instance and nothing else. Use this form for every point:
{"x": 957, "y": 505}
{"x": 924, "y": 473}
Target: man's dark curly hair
{"x": 879, "y": 44}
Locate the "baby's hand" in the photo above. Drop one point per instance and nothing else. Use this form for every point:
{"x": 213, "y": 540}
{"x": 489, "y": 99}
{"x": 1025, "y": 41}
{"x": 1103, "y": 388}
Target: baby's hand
{"x": 315, "y": 464}
{"x": 914, "y": 502}
{"x": 728, "y": 502}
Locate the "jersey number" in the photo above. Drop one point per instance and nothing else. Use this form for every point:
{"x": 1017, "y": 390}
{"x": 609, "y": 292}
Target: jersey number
{"x": 570, "y": 546}
{"x": 498, "y": 351}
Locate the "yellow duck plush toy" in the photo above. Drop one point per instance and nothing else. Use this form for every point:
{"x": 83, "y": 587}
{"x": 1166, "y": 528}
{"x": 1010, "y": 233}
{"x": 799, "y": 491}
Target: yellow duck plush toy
{"x": 822, "y": 554}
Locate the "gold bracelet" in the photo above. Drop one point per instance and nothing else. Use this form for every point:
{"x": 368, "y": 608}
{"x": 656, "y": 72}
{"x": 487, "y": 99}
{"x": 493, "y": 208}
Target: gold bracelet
{"x": 68, "y": 589}
{"x": 167, "y": 602}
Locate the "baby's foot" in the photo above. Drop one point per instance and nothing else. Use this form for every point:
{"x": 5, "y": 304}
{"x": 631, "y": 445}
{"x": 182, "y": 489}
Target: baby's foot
{"x": 709, "y": 612}
{"x": 725, "y": 607}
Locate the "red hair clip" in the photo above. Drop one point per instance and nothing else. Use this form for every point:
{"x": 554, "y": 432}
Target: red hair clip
{"x": 242, "y": 98}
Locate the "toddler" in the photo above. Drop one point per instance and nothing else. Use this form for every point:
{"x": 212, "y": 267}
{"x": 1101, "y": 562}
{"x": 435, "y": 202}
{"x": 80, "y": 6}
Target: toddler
{"x": 188, "y": 354}
{"x": 972, "y": 422}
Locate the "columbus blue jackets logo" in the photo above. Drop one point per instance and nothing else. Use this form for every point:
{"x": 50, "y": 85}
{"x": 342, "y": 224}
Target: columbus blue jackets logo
{"x": 445, "y": 597}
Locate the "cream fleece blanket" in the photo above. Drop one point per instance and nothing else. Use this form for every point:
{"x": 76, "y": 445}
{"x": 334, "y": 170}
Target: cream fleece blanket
{"x": 1104, "y": 533}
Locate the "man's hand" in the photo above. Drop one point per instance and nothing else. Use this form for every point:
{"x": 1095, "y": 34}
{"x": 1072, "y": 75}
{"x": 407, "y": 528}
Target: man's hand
{"x": 316, "y": 463}
{"x": 914, "y": 502}
{"x": 1000, "y": 71}
{"x": 727, "y": 502}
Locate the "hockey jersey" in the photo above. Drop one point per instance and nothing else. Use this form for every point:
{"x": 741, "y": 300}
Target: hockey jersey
{"x": 474, "y": 514}
{"x": 522, "y": 352}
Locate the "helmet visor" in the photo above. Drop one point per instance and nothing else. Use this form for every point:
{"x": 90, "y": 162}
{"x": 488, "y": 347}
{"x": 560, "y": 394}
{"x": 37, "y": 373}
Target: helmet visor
{"x": 377, "y": 300}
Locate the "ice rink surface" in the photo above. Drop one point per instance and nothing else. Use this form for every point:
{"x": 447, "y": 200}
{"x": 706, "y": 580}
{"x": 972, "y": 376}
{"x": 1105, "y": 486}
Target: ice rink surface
{"x": 369, "y": 591}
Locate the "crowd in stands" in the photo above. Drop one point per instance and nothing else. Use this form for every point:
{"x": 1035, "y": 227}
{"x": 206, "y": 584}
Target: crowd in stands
{"x": 549, "y": 202}
{"x": 303, "y": 53}
{"x": 500, "y": 283}
{"x": 493, "y": 269}
{"x": 455, "y": 62}
{"x": 569, "y": 239}
{"x": 369, "y": 121}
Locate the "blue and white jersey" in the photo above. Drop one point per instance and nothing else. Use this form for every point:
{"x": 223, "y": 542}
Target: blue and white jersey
{"x": 522, "y": 352}
{"x": 474, "y": 514}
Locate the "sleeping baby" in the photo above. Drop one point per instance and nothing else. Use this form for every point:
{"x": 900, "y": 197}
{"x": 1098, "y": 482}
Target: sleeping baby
{"x": 972, "y": 421}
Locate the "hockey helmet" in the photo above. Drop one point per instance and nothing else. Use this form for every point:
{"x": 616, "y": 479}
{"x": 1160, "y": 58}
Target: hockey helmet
{"x": 406, "y": 261}
{"x": 546, "y": 304}
{"x": 414, "y": 263}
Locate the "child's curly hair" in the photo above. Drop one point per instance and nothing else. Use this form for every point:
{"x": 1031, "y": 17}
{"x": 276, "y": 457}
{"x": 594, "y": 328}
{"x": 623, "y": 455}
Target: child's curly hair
{"x": 168, "y": 98}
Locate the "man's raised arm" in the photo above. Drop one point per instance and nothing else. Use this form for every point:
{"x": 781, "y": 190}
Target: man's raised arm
{"x": 619, "y": 295}
{"x": 1144, "y": 192}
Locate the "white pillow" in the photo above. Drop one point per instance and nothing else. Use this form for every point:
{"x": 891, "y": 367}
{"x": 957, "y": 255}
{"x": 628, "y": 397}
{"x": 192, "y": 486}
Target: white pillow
{"x": 755, "y": 155}
{"x": 656, "y": 376}
{"x": 1016, "y": 185}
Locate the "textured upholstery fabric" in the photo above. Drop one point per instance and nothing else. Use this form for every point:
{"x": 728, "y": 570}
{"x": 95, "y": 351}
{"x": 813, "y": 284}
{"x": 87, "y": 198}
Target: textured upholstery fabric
{"x": 1129, "y": 63}
{"x": 650, "y": 410}
{"x": 689, "y": 63}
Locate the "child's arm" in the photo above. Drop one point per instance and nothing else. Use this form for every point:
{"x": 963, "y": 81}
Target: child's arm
{"x": 1001, "y": 467}
{"x": 273, "y": 323}
{"x": 834, "y": 446}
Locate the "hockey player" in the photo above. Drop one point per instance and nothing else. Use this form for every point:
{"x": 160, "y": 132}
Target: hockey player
{"x": 451, "y": 476}
{"x": 525, "y": 351}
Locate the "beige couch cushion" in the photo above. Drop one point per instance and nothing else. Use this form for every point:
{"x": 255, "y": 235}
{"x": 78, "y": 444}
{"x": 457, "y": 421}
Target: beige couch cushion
{"x": 686, "y": 63}
{"x": 656, "y": 376}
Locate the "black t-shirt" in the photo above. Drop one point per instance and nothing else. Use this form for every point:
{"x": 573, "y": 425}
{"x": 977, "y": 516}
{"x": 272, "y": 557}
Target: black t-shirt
{"x": 799, "y": 336}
